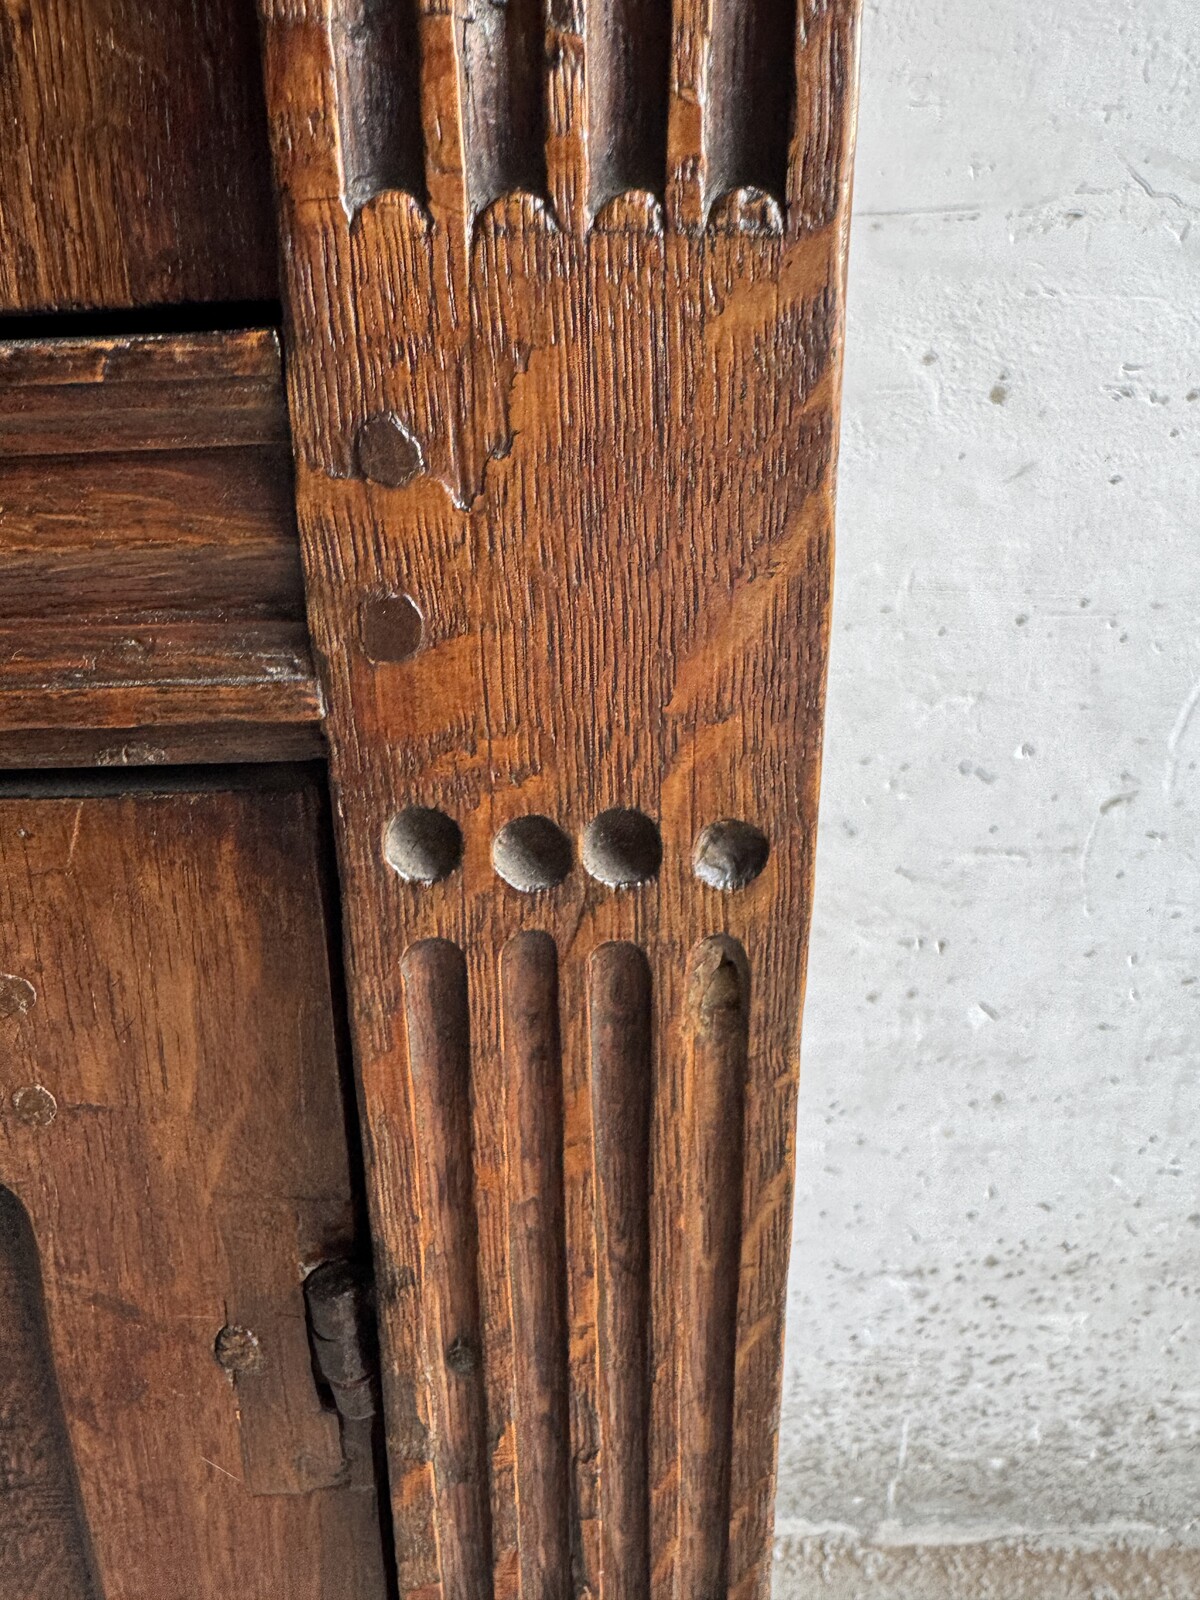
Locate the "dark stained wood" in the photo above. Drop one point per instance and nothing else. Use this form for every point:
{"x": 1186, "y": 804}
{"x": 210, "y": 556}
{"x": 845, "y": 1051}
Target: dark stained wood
{"x": 614, "y": 370}
{"x": 155, "y": 745}
{"x": 143, "y": 680}
{"x": 378, "y": 62}
{"x": 133, "y": 158}
{"x": 189, "y": 533}
{"x": 45, "y": 1549}
{"x": 151, "y": 596}
{"x": 171, "y": 1122}
{"x": 748, "y": 103}
{"x": 627, "y": 45}
{"x": 141, "y": 392}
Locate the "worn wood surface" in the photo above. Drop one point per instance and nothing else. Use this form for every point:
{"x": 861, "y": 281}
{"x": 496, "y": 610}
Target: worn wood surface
{"x": 133, "y": 159}
{"x": 570, "y": 400}
{"x": 183, "y": 391}
{"x": 45, "y": 1548}
{"x": 151, "y": 596}
{"x": 171, "y": 1124}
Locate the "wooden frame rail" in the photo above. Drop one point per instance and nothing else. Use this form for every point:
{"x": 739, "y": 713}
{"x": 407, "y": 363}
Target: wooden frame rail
{"x": 151, "y": 594}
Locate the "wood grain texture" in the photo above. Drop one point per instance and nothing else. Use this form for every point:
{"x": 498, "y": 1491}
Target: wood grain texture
{"x": 171, "y": 1122}
{"x": 622, "y": 1068}
{"x": 716, "y": 1013}
{"x": 437, "y": 1431}
{"x": 150, "y": 579}
{"x": 133, "y": 158}
{"x": 617, "y": 423}
{"x": 45, "y": 1547}
{"x": 627, "y": 52}
{"x": 149, "y": 534}
{"x": 141, "y": 392}
{"x": 533, "y": 1179}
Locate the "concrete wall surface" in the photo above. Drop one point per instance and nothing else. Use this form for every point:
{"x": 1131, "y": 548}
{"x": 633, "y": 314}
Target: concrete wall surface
{"x": 993, "y": 1364}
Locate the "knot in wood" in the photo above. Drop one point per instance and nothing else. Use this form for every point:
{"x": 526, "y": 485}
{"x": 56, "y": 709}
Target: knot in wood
{"x": 462, "y": 1357}
{"x": 17, "y": 995}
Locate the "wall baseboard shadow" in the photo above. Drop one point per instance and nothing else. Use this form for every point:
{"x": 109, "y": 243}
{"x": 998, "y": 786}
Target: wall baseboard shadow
{"x": 820, "y": 1567}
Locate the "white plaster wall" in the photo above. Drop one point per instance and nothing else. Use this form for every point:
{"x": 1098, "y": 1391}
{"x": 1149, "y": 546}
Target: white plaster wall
{"x": 994, "y": 1324}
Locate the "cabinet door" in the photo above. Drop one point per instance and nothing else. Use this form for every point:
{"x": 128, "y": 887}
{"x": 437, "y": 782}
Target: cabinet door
{"x": 173, "y": 1164}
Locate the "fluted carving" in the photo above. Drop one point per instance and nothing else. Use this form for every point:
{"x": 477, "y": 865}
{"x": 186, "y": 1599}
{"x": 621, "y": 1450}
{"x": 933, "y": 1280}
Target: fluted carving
{"x": 565, "y": 416}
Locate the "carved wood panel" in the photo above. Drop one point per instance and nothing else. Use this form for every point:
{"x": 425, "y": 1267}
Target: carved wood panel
{"x": 564, "y": 287}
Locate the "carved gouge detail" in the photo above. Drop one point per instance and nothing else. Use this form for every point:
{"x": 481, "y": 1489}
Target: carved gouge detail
{"x": 564, "y": 285}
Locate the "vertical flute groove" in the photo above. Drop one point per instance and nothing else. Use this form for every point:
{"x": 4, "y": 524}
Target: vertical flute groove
{"x": 499, "y": 55}
{"x": 621, "y": 1050}
{"x": 748, "y": 114}
{"x": 377, "y": 61}
{"x": 586, "y": 1467}
{"x": 717, "y": 1017}
{"x": 439, "y": 1048}
{"x": 537, "y": 1261}
{"x": 628, "y": 48}
{"x": 733, "y": 99}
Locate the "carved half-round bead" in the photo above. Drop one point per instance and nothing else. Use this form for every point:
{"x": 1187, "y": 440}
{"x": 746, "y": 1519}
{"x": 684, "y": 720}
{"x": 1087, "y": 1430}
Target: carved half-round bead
{"x": 515, "y": 212}
{"x": 634, "y": 211}
{"x": 746, "y": 210}
{"x": 532, "y": 853}
{"x": 396, "y": 210}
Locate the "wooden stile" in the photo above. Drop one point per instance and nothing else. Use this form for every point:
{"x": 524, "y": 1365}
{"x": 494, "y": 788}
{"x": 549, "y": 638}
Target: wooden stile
{"x": 564, "y": 318}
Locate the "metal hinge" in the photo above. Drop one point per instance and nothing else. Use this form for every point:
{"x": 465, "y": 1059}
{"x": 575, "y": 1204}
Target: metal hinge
{"x": 339, "y": 1299}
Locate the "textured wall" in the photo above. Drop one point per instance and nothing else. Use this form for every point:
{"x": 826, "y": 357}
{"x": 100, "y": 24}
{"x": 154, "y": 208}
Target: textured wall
{"x": 994, "y": 1340}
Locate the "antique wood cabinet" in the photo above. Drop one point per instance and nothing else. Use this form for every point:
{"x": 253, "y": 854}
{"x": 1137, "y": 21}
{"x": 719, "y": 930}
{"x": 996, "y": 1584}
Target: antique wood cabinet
{"x": 418, "y": 423}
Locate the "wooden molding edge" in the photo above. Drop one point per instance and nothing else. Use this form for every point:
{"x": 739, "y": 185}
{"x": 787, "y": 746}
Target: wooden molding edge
{"x": 151, "y": 596}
